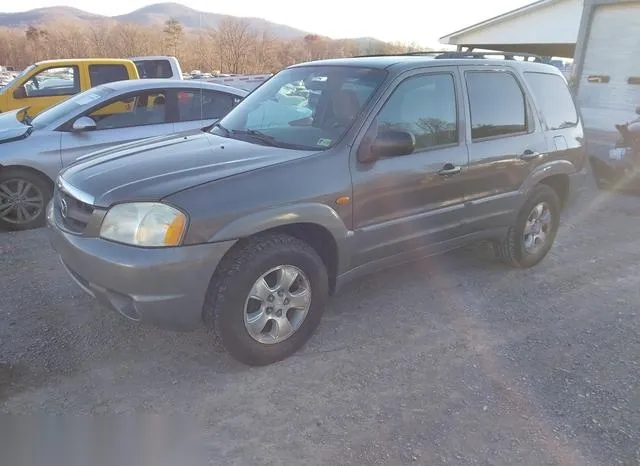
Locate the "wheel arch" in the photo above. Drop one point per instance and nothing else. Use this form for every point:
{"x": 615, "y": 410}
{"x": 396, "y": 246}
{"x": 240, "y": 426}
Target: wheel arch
{"x": 4, "y": 168}
{"x": 318, "y": 225}
{"x": 555, "y": 175}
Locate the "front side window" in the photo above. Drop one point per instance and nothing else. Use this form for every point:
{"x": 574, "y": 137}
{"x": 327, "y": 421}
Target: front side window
{"x": 140, "y": 109}
{"x": 424, "y": 106}
{"x": 497, "y": 104}
{"x": 70, "y": 105}
{"x": 57, "y": 81}
{"x": 103, "y": 74}
{"x": 554, "y": 100}
{"x": 199, "y": 104}
{"x": 309, "y": 107}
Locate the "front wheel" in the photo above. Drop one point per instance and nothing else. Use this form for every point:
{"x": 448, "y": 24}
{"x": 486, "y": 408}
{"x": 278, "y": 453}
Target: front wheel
{"x": 24, "y": 196}
{"x": 267, "y": 298}
{"x": 529, "y": 240}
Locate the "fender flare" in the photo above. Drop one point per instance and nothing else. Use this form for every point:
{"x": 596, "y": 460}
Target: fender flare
{"x": 313, "y": 213}
{"x": 556, "y": 167}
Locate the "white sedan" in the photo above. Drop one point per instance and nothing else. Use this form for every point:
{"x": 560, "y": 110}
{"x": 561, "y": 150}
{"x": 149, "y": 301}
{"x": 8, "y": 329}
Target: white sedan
{"x": 33, "y": 152}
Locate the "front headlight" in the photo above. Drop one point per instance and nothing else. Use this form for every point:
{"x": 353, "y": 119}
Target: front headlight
{"x": 149, "y": 224}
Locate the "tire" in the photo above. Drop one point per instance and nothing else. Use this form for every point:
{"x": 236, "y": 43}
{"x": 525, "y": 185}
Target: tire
{"x": 28, "y": 185}
{"x": 228, "y": 294}
{"x": 512, "y": 249}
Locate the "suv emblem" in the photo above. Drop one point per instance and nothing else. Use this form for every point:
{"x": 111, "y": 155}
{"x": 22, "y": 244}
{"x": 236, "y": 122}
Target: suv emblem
{"x": 64, "y": 209}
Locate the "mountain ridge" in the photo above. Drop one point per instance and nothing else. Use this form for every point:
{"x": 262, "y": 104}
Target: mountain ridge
{"x": 150, "y": 15}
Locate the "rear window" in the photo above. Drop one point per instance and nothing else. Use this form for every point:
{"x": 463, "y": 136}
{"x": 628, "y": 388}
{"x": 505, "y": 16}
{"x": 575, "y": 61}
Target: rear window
{"x": 553, "y": 100}
{"x": 150, "y": 69}
{"x": 102, "y": 74}
{"x": 198, "y": 104}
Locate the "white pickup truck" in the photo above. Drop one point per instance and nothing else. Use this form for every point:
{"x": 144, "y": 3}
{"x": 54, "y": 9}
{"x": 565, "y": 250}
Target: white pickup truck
{"x": 158, "y": 67}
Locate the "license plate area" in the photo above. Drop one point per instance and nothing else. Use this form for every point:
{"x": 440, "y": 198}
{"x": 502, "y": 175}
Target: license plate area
{"x": 618, "y": 153}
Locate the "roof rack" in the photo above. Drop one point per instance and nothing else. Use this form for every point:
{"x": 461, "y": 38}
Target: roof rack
{"x": 450, "y": 54}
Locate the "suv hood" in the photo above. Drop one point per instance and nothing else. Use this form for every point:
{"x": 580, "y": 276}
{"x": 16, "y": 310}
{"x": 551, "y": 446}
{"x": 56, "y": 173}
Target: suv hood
{"x": 11, "y": 128}
{"x": 154, "y": 168}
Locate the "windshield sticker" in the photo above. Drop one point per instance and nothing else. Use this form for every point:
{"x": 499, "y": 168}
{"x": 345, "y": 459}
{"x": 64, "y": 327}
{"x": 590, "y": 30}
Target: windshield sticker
{"x": 324, "y": 142}
{"x": 87, "y": 98}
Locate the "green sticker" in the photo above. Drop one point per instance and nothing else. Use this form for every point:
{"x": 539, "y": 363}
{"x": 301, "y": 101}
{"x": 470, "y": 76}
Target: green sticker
{"x": 324, "y": 142}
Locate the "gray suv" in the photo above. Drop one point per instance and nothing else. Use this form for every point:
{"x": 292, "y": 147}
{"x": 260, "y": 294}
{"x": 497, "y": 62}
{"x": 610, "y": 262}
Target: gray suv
{"x": 328, "y": 171}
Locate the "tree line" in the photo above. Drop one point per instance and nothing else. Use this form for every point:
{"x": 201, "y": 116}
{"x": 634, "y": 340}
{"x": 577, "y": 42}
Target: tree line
{"x": 233, "y": 47}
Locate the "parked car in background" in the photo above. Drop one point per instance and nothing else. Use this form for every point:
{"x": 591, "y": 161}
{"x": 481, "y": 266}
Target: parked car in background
{"x": 33, "y": 151}
{"x": 247, "y": 82}
{"x": 621, "y": 168}
{"x": 47, "y": 83}
{"x": 251, "y": 226}
{"x": 158, "y": 67}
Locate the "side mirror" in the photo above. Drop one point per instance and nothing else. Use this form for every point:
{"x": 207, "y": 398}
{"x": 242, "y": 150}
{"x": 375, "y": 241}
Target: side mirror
{"x": 20, "y": 93}
{"x": 393, "y": 143}
{"x": 638, "y": 110}
{"x": 83, "y": 123}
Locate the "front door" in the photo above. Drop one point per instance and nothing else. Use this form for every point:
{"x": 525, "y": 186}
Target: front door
{"x": 415, "y": 202}
{"x": 128, "y": 118}
{"x": 47, "y": 88}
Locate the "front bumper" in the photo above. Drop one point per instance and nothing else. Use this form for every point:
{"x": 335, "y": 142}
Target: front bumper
{"x": 618, "y": 174}
{"x": 165, "y": 287}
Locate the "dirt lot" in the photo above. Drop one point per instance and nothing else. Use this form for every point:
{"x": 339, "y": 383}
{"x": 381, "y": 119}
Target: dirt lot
{"x": 455, "y": 360}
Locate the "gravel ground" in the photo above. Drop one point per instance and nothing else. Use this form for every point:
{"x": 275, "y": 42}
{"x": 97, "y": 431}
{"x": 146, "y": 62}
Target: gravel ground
{"x": 454, "y": 360}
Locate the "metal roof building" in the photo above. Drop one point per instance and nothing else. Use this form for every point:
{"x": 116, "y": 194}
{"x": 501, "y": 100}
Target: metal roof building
{"x": 546, "y": 27}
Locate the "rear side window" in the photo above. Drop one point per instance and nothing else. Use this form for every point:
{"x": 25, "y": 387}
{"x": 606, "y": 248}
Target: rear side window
{"x": 150, "y": 69}
{"x": 497, "y": 104}
{"x": 553, "y": 99}
{"x": 102, "y": 74}
{"x": 198, "y": 104}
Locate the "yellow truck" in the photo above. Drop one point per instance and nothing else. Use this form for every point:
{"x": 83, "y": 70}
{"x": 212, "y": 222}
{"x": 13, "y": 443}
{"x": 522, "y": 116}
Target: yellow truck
{"x": 49, "y": 82}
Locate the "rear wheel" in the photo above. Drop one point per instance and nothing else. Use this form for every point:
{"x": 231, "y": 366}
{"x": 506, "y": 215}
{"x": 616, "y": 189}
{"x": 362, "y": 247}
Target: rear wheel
{"x": 529, "y": 240}
{"x": 267, "y": 298}
{"x": 24, "y": 196}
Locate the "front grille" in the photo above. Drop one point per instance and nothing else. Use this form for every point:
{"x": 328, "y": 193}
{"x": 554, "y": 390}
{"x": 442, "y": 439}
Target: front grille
{"x": 74, "y": 214}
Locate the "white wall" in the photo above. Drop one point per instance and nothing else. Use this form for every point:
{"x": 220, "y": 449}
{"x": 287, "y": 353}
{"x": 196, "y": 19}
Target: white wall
{"x": 557, "y": 23}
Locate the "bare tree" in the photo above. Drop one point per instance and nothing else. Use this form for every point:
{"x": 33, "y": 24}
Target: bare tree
{"x": 98, "y": 35}
{"x": 236, "y": 42}
{"x": 34, "y": 37}
{"x": 232, "y": 47}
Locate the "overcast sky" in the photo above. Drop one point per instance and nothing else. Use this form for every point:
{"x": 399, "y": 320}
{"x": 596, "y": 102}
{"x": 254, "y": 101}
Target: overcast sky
{"x": 422, "y": 21}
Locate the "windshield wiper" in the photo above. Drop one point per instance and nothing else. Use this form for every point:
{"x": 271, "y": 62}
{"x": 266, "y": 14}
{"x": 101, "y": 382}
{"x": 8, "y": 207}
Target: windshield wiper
{"x": 265, "y": 138}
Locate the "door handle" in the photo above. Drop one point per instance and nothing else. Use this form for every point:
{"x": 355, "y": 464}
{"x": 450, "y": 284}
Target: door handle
{"x": 529, "y": 154}
{"x": 450, "y": 169}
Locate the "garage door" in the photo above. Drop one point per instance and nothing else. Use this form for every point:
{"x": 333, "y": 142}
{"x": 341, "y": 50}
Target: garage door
{"x": 610, "y": 81}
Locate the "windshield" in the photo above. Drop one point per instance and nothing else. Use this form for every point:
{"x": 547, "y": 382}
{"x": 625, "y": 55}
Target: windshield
{"x": 18, "y": 77}
{"x": 69, "y": 105}
{"x": 309, "y": 107}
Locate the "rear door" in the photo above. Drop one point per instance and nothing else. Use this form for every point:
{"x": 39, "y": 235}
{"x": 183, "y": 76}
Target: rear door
{"x": 504, "y": 138}
{"x": 127, "y": 118}
{"x": 197, "y": 108}
{"x": 107, "y": 73}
